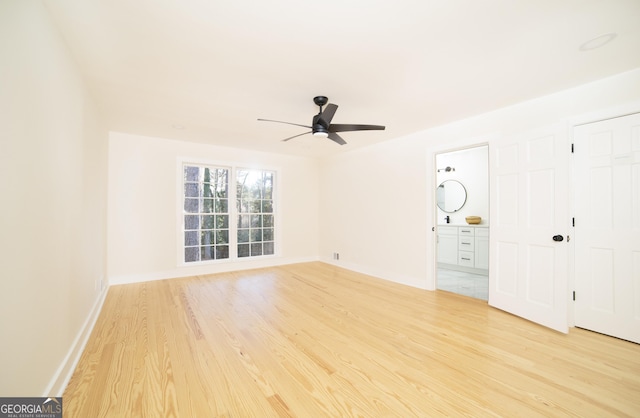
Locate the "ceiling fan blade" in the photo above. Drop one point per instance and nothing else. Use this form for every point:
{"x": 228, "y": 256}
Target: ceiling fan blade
{"x": 288, "y": 123}
{"x": 340, "y": 127}
{"x": 336, "y": 138}
{"x": 328, "y": 112}
{"x": 295, "y": 136}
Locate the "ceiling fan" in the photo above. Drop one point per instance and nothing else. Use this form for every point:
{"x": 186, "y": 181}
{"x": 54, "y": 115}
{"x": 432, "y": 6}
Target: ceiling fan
{"x": 321, "y": 125}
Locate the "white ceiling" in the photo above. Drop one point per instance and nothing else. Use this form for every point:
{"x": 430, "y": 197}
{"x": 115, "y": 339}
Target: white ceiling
{"x": 215, "y": 66}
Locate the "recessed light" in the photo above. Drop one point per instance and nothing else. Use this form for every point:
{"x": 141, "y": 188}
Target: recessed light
{"x": 598, "y": 42}
{"x": 177, "y": 126}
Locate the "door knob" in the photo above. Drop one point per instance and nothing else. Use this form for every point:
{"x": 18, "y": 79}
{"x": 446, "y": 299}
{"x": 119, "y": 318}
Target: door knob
{"x": 558, "y": 238}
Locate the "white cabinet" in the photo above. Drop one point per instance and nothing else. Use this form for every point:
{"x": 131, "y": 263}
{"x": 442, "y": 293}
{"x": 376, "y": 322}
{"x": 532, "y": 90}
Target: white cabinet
{"x": 466, "y": 242}
{"x": 464, "y": 247}
{"x": 482, "y": 248}
{"x": 448, "y": 244}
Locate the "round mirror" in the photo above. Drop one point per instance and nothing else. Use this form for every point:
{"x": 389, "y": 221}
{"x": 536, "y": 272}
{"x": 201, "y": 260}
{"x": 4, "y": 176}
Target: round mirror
{"x": 451, "y": 196}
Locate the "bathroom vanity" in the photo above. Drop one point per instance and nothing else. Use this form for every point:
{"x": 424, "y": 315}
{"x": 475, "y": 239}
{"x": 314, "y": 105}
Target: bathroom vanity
{"x": 464, "y": 248}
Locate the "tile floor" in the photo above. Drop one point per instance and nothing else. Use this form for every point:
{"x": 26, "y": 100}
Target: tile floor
{"x": 468, "y": 284}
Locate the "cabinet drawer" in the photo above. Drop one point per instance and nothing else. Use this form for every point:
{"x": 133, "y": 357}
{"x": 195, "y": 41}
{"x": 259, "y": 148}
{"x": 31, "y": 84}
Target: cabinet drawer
{"x": 466, "y": 243}
{"x": 465, "y": 258}
{"x": 465, "y": 231}
{"x": 447, "y": 230}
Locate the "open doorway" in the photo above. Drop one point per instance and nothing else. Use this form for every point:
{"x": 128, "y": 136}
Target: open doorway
{"x": 462, "y": 200}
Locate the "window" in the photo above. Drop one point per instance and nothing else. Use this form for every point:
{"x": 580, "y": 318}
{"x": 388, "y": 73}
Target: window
{"x": 206, "y": 213}
{"x": 255, "y": 212}
{"x": 209, "y": 233}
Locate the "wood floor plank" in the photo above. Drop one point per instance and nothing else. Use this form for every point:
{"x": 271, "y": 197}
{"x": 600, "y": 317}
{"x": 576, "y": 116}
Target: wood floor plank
{"x": 315, "y": 340}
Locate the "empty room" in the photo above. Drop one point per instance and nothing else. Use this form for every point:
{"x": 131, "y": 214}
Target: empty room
{"x": 334, "y": 209}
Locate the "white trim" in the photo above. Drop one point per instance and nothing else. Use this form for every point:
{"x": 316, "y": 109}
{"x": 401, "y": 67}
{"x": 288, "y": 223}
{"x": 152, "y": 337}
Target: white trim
{"x": 603, "y": 114}
{"x": 433, "y": 151}
{"x": 204, "y": 269}
{"x": 60, "y": 379}
{"x": 233, "y": 167}
{"x": 573, "y": 122}
{"x": 413, "y": 281}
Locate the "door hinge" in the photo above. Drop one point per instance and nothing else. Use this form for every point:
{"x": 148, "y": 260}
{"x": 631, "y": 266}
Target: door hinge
{"x": 572, "y": 148}
{"x": 574, "y": 295}
{"x": 573, "y": 222}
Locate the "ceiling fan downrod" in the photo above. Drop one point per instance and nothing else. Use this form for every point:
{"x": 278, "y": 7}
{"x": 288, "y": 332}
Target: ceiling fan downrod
{"x": 320, "y": 101}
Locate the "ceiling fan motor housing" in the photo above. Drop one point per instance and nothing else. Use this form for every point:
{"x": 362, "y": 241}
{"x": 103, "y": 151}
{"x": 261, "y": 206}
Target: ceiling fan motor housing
{"x": 319, "y": 126}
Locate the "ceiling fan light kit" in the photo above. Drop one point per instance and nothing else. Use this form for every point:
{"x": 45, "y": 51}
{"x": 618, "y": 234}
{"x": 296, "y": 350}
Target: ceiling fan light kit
{"x": 321, "y": 125}
{"x": 322, "y": 133}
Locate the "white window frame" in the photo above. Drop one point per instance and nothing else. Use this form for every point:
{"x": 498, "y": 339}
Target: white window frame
{"x": 233, "y": 211}
{"x": 261, "y": 228}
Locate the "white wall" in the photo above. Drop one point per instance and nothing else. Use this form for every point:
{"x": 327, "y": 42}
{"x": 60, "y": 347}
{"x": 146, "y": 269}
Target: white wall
{"x": 374, "y": 206}
{"x": 472, "y": 171}
{"x": 53, "y": 220}
{"x": 373, "y": 210}
{"x": 377, "y": 203}
{"x": 143, "y": 214}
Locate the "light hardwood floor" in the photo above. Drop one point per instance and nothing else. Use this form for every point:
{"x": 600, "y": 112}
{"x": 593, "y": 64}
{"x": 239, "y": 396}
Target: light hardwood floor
{"x": 314, "y": 340}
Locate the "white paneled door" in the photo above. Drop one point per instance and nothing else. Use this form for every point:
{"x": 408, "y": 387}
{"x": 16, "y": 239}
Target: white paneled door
{"x": 607, "y": 227}
{"x": 529, "y": 225}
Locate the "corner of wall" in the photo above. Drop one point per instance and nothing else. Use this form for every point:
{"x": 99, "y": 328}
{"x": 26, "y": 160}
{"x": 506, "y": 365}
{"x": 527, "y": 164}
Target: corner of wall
{"x": 65, "y": 371}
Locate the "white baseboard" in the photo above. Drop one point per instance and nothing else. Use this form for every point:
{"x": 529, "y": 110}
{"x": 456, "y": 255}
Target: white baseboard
{"x": 395, "y": 277}
{"x": 472, "y": 270}
{"x": 202, "y": 269}
{"x": 61, "y": 378}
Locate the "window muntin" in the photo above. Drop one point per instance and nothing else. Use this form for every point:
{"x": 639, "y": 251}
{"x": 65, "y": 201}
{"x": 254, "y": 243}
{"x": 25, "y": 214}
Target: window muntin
{"x": 209, "y": 233}
{"x": 255, "y": 220}
{"x": 206, "y": 213}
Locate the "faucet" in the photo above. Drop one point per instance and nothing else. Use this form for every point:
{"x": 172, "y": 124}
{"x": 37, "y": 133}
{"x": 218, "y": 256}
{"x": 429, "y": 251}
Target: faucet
{"x": 446, "y": 218}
